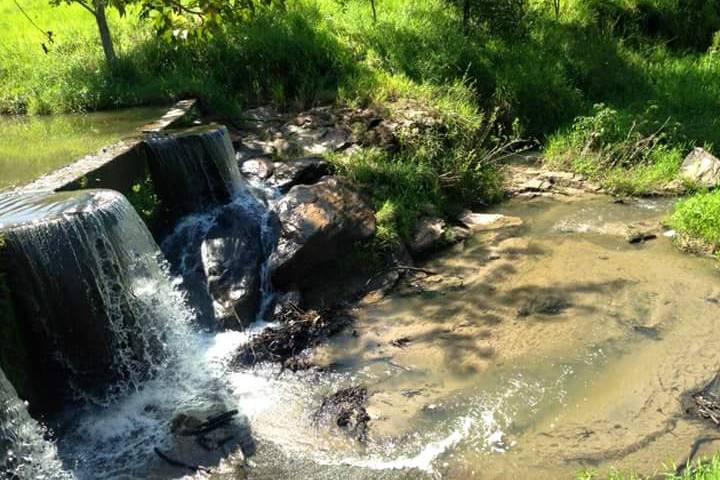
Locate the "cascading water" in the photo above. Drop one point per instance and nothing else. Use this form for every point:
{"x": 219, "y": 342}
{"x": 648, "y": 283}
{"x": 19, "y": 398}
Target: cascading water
{"x": 236, "y": 224}
{"x": 194, "y": 169}
{"x": 24, "y": 452}
{"x": 90, "y": 304}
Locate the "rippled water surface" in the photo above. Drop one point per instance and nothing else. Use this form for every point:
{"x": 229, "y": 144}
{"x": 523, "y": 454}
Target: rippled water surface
{"x": 538, "y": 352}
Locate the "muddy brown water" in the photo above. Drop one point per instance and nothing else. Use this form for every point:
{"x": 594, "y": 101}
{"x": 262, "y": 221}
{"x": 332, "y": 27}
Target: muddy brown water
{"x": 539, "y": 352}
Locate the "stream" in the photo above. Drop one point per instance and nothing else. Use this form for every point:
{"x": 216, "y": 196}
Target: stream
{"x": 561, "y": 348}
{"x": 536, "y": 350}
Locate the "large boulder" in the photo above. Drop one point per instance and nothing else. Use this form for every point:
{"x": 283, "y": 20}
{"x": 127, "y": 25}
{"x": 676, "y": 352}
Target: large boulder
{"x": 232, "y": 253}
{"x": 701, "y": 167}
{"x": 316, "y": 223}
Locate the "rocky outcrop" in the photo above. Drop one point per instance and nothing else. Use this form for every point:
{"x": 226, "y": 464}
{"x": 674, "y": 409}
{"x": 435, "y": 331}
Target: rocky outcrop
{"x": 317, "y": 223}
{"x": 526, "y": 177}
{"x": 702, "y": 168}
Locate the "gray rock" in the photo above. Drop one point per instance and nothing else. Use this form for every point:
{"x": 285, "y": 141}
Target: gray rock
{"x": 426, "y": 236}
{"x": 478, "y": 222}
{"x": 702, "y": 168}
{"x": 317, "y": 222}
{"x": 304, "y": 171}
{"x": 257, "y": 168}
{"x": 642, "y": 232}
{"x": 231, "y": 256}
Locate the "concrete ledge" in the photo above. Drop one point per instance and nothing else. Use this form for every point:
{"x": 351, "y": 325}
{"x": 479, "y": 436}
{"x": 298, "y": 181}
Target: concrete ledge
{"x": 118, "y": 166}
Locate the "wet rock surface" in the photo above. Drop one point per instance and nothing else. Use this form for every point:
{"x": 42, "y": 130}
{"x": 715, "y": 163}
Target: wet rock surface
{"x": 427, "y": 236}
{"x": 231, "y": 257}
{"x": 318, "y": 222}
{"x": 199, "y": 445}
{"x": 346, "y": 409}
{"x": 304, "y": 171}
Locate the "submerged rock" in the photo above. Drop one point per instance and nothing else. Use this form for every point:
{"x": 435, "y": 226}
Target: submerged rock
{"x": 544, "y": 305}
{"x": 702, "y": 168}
{"x": 347, "y": 409}
{"x": 642, "y": 232}
{"x": 317, "y": 223}
{"x": 478, "y": 222}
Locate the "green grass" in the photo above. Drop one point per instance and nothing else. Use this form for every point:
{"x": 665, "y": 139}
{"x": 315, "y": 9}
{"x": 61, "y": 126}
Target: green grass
{"x": 698, "y": 217}
{"x": 701, "y": 470}
{"x": 649, "y": 63}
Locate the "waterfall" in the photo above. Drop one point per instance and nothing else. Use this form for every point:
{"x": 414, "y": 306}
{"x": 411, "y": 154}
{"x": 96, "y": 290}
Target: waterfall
{"x": 91, "y": 294}
{"x": 200, "y": 165}
{"x": 24, "y": 452}
{"x": 193, "y": 169}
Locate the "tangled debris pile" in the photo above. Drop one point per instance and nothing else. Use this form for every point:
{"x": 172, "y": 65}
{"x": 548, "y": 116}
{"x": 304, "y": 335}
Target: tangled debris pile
{"x": 298, "y": 331}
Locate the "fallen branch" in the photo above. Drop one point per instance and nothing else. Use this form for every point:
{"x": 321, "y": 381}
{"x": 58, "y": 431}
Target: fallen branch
{"x": 213, "y": 423}
{"x": 178, "y": 463}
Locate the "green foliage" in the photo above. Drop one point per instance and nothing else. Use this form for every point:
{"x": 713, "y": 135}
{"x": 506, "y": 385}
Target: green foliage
{"x": 680, "y": 24}
{"x": 443, "y": 160}
{"x": 143, "y": 198}
{"x": 628, "y": 153}
{"x": 700, "y": 470}
{"x": 698, "y": 217}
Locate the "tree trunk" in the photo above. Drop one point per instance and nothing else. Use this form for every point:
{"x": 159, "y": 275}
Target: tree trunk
{"x": 104, "y": 32}
{"x": 372, "y": 4}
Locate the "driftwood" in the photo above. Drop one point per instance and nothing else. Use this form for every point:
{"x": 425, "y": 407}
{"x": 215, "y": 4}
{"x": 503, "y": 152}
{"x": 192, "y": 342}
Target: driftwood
{"x": 178, "y": 463}
{"x": 212, "y": 423}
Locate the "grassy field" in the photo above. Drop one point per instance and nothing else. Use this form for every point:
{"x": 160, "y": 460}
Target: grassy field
{"x": 619, "y": 90}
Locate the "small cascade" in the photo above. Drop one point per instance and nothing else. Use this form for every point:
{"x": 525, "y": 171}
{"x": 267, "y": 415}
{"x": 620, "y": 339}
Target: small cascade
{"x": 193, "y": 169}
{"x": 24, "y": 452}
{"x": 221, "y": 252}
{"x": 93, "y": 306}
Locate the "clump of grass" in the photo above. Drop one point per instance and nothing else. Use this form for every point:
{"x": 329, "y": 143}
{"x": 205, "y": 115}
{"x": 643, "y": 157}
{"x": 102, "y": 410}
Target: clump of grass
{"x": 700, "y": 470}
{"x": 698, "y": 218}
{"x": 628, "y": 154}
{"x": 442, "y": 162}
